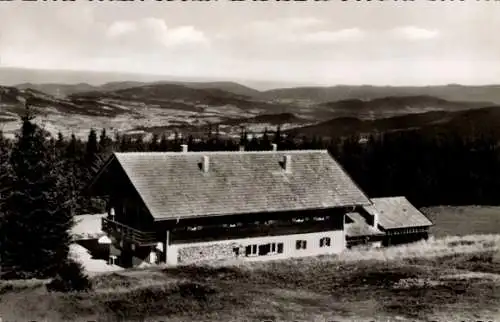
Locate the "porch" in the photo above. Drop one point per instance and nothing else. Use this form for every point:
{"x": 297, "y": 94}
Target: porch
{"x": 129, "y": 234}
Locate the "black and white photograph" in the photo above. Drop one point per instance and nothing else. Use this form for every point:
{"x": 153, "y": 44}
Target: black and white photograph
{"x": 249, "y": 160}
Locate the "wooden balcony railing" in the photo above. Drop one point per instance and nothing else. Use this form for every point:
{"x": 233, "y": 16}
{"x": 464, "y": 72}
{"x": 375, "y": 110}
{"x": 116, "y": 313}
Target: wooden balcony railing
{"x": 178, "y": 236}
{"x": 141, "y": 238}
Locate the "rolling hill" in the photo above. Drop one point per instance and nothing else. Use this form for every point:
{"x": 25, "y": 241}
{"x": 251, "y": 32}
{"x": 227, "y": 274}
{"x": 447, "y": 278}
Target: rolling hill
{"x": 189, "y": 107}
{"x": 394, "y": 106}
{"x": 62, "y": 90}
{"x": 489, "y": 93}
{"x": 123, "y": 108}
{"x": 480, "y": 120}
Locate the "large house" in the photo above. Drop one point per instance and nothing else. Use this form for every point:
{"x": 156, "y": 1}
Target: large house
{"x": 183, "y": 207}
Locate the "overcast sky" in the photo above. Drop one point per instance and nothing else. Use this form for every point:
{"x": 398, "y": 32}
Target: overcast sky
{"x": 333, "y": 42}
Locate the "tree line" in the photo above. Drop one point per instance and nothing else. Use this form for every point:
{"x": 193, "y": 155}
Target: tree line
{"x": 42, "y": 177}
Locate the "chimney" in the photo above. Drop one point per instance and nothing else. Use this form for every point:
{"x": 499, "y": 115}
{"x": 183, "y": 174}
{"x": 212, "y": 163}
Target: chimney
{"x": 242, "y": 148}
{"x": 184, "y": 147}
{"x": 287, "y": 163}
{"x": 275, "y": 147}
{"x": 205, "y": 165}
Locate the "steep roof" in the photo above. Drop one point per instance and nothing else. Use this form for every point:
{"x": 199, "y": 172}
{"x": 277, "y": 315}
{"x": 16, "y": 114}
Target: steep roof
{"x": 359, "y": 226}
{"x": 172, "y": 184}
{"x": 396, "y": 213}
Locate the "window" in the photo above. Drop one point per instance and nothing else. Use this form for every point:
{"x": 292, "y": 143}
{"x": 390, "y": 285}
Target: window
{"x": 263, "y": 249}
{"x": 301, "y": 244}
{"x": 251, "y": 250}
{"x": 276, "y": 248}
{"x": 325, "y": 242}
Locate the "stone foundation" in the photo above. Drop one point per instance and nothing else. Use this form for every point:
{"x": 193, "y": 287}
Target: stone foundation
{"x": 213, "y": 252}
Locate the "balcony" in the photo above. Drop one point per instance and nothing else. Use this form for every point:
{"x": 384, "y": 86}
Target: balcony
{"x": 124, "y": 232}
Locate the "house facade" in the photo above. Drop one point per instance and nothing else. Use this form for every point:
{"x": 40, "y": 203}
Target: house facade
{"x": 185, "y": 207}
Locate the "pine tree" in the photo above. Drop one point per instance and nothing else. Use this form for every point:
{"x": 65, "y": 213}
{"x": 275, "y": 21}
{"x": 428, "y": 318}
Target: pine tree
{"x": 105, "y": 145}
{"x": 91, "y": 159}
{"x": 72, "y": 180}
{"x": 60, "y": 144}
{"x": 265, "y": 142}
{"x": 91, "y": 165}
{"x": 5, "y": 168}
{"x": 154, "y": 145}
{"x": 277, "y": 137}
{"x": 34, "y": 234}
{"x": 139, "y": 144}
{"x": 163, "y": 143}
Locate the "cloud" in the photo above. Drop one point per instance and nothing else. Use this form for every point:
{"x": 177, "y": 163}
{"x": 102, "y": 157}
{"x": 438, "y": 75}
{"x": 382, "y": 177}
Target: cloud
{"x": 119, "y": 28}
{"x": 414, "y": 33}
{"x": 326, "y": 37}
{"x": 154, "y": 31}
{"x": 290, "y": 24}
{"x": 293, "y": 30}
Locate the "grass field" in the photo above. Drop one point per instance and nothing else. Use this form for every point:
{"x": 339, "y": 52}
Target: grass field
{"x": 466, "y": 220}
{"x": 444, "y": 279}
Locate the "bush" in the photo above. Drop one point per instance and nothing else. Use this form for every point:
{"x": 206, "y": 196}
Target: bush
{"x": 70, "y": 278}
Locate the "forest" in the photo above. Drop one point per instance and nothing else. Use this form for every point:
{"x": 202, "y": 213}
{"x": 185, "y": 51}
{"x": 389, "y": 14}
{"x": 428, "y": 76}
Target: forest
{"x": 428, "y": 168}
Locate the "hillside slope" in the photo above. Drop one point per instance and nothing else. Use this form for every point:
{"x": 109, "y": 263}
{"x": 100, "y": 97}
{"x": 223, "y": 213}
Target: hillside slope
{"x": 452, "y": 279}
{"x": 479, "y": 120}
{"x": 490, "y": 93}
{"x": 166, "y": 107}
{"x": 70, "y": 89}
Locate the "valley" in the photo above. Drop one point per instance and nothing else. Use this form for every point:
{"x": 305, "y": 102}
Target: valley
{"x": 192, "y": 108}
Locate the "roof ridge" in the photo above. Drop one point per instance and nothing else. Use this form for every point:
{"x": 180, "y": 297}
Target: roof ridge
{"x": 390, "y": 197}
{"x": 220, "y": 152}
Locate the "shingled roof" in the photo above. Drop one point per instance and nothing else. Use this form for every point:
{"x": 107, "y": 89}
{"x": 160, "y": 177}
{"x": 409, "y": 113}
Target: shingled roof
{"x": 397, "y": 213}
{"x": 173, "y": 185}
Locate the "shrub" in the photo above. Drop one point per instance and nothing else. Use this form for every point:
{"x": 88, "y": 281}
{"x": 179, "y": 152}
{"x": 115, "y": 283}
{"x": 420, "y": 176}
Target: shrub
{"x": 70, "y": 278}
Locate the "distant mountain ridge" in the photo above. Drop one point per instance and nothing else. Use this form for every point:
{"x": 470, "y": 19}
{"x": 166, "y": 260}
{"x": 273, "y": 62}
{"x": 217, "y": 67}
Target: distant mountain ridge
{"x": 68, "y": 89}
{"x": 192, "y": 106}
{"x": 489, "y": 93}
{"x": 396, "y": 105}
{"x": 479, "y": 120}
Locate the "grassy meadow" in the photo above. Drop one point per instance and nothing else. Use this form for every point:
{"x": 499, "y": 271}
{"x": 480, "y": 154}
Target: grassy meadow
{"x": 448, "y": 278}
{"x": 464, "y": 220}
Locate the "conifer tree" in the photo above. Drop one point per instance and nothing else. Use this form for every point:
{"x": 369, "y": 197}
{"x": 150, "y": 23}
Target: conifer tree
{"x": 72, "y": 168}
{"x": 60, "y": 144}
{"x": 265, "y": 142}
{"x": 91, "y": 159}
{"x": 154, "y": 145}
{"x": 91, "y": 165}
{"x": 5, "y": 168}
{"x": 163, "y": 143}
{"x": 277, "y": 136}
{"x": 139, "y": 144}
{"x": 105, "y": 145}
{"x": 34, "y": 234}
